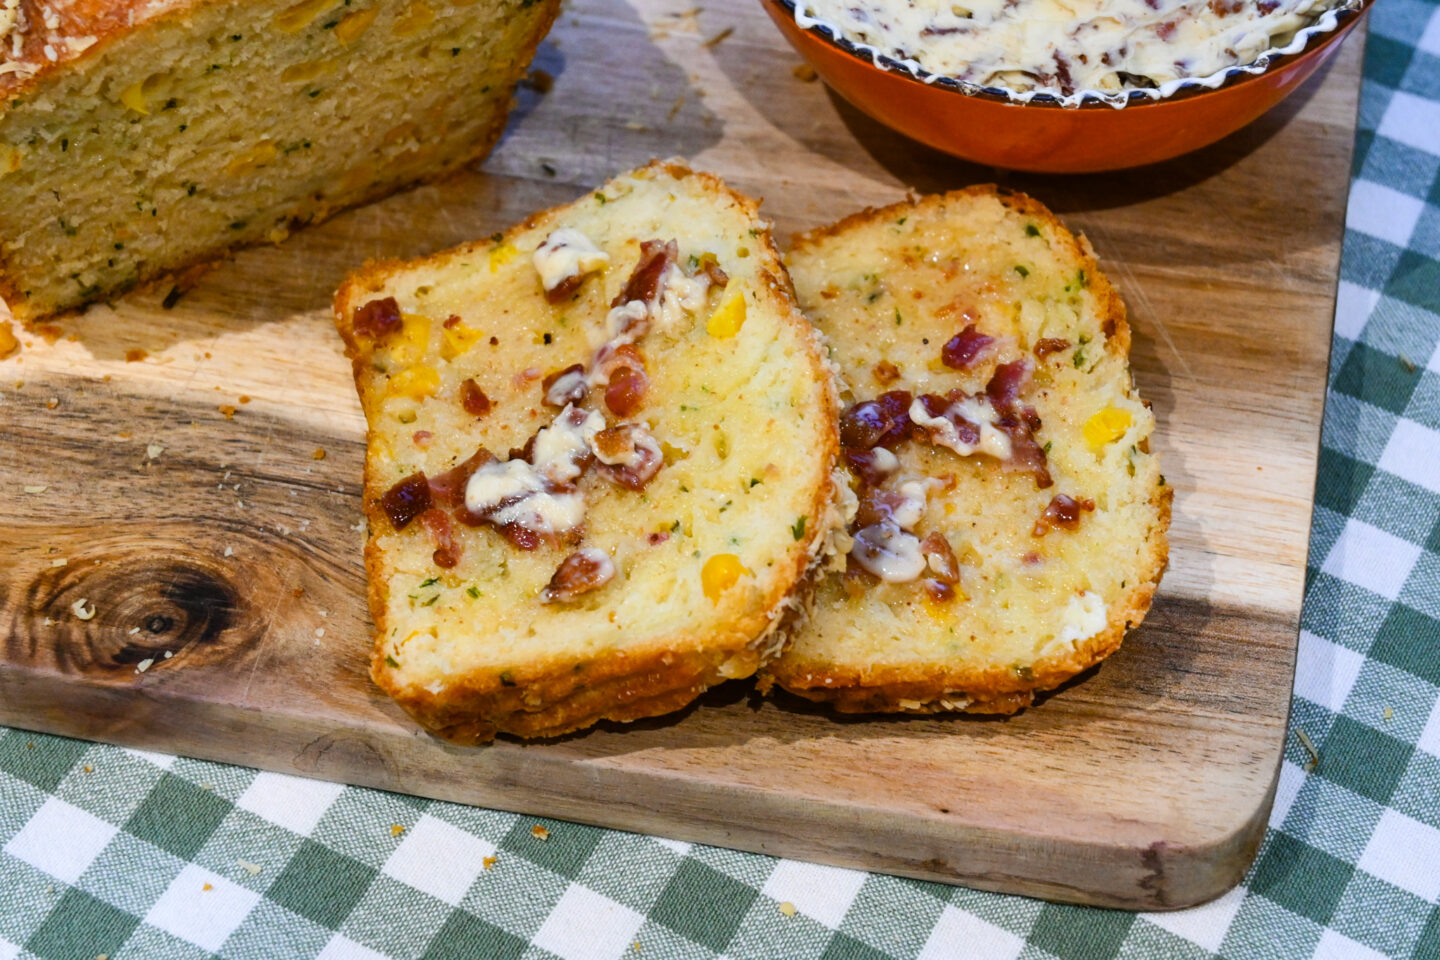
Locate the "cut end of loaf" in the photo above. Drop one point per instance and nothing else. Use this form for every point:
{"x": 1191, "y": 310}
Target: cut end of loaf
{"x": 142, "y": 148}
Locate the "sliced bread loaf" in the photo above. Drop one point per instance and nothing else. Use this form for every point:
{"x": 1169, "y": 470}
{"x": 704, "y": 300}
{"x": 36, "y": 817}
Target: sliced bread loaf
{"x": 1012, "y": 519}
{"x": 600, "y": 459}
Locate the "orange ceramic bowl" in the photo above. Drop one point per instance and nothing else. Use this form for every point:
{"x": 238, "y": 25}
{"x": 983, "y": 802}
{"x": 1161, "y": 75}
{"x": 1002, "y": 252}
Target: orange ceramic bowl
{"x": 990, "y": 128}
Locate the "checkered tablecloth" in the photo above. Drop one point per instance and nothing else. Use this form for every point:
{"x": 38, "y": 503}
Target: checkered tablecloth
{"x": 119, "y": 854}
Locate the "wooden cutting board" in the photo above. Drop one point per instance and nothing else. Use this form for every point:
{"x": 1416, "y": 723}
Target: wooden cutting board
{"x": 166, "y": 467}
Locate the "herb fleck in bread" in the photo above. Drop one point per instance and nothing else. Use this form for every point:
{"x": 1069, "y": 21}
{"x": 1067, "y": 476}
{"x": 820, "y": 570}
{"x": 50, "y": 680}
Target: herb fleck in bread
{"x": 138, "y": 138}
{"x": 599, "y": 461}
{"x": 1012, "y": 519}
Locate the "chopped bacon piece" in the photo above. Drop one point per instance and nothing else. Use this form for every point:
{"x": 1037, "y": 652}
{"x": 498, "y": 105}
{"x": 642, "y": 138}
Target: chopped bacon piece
{"x": 406, "y": 500}
{"x": 940, "y": 558}
{"x": 473, "y": 399}
{"x": 1008, "y": 381}
{"x": 963, "y": 435}
{"x": 442, "y": 531}
{"x": 884, "y": 421}
{"x": 962, "y": 351}
{"x": 451, "y": 322}
{"x": 1025, "y": 454}
{"x": 877, "y": 506}
{"x": 562, "y": 290}
{"x": 1063, "y": 513}
{"x": 448, "y": 488}
{"x": 628, "y": 455}
{"x": 644, "y": 283}
{"x": 422, "y": 438}
{"x": 581, "y": 572}
{"x": 377, "y": 318}
{"x": 625, "y": 393}
{"x": 871, "y": 466}
{"x": 711, "y": 268}
{"x": 565, "y": 386}
{"x": 1048, "y": 345}
{"x": 886, "y": 373}
{"x": 519, "y": 535}
{"x": 939, "y": 590}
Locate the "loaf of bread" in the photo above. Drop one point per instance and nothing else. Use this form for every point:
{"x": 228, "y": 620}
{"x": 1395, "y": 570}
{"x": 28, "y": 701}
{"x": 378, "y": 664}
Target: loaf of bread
{"x": 600, "y": 459}
{"x": 138, "y": 138}
{"x": 1012, "y": 519}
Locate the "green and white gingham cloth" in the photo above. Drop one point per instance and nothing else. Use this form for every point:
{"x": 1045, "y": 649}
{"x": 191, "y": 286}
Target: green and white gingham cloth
{"x": 117, "y": 853}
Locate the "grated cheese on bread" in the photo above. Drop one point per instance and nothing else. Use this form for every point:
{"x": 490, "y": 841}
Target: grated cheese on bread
{"x": 600, "y": 459}
{"x": 139, "y": 138}
{"x": 1012, "y": 519}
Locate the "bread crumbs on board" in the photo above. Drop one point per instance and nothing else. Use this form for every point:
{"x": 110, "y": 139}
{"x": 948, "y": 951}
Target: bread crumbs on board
{"x": 489, "y": 862}
{"x": 787, "y": 908}
{"x": 539, "y": 832}
{"x": 396, "y": 829}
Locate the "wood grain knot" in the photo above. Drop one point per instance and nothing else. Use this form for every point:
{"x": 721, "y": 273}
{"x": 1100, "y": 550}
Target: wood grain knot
{"x": 103, "y": 616}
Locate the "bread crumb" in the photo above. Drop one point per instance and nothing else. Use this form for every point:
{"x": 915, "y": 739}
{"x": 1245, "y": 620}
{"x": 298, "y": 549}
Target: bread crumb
{"x": 319, "y": 454}
{"x": 168, "y": 654}
{"x": 36, "y": 487}
{"x": 396, "y": 830}
{"x": 539, "y": 832}
{"x": 135, "y": 356}
{"x": 52, "y": 403}
{"x": 88, "y": 769}
{"x": 50, "y": 332}
{"x": 81, "y": 612}
{"x": 144, "y": 665}
{"x": 207, "y": 887}
{"x": 251, "y": 868}
{"x": 8, "y": 343}
{"x": 1388, "y": 713}
{"x": 228, "y": 410}
{"x": 229, "y": 552}
{"x": 153, "y": 451}
{"x": 805, "y": 73}
{"x": 319, "y": 631}
{"x": 244, "y": 398}
{"x": 540, "y": 81}
{"x": 1309, "y": 746}
{"x": 134, "y": 630}
{"x": 719, "y": 38}
{"x": 489, "y": 862}
{"x": 59, "y": 562}
{"x": 787, "y": 908}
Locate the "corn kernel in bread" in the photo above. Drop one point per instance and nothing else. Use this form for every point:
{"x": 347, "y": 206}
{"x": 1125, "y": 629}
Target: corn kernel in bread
{"x": 141, "y": 137}
{"x": 1012, "y": 519}
{"x": 600, "y": 459}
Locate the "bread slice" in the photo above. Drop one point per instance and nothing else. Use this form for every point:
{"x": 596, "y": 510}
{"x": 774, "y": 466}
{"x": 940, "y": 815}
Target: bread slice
{"x": 600, "y": 459}
{"x": 1016, "y": 517}
{"x": 138, "y": 138}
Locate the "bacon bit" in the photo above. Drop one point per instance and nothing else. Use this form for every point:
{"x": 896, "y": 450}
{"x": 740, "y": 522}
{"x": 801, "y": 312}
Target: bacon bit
{"x": 877, "y": 506}
{"x": 644, "y": 284}
{"x": 562, "y": 290}
{"x": 1166, "y": 30}
{"x": 422, "y": 438}
{"x": 473, "y": 399}
{"x": 658, "y": 537}
{"x": 135, "y": 356}
{"x": 884, "y": 421}
{"x": 940, "y": 558}
{"x": 1031, "y": 558}
{"x": 628, "y": 455}
{"x": 1062, "y": 513}
{"x": 228, "y": 410}
{"x": 625, "y": 393}
{"x": 451, "y": 322}
{"x": 1048, "y": 345}
{"x": 938, "y": 590}
{"x": 581, "y": 572}
{"x": 377, "y": 318}
{"x": 448, "y": 488}
{"x": 963, "y": 350}
{"x": 885, "y": 373}
{"x": 406, "y": 500}
{"x": 442, "y": 532}
{"x": 1008, "y": 381}
{"x": 565, "y": 386}
{"x": 865, "y": 464}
